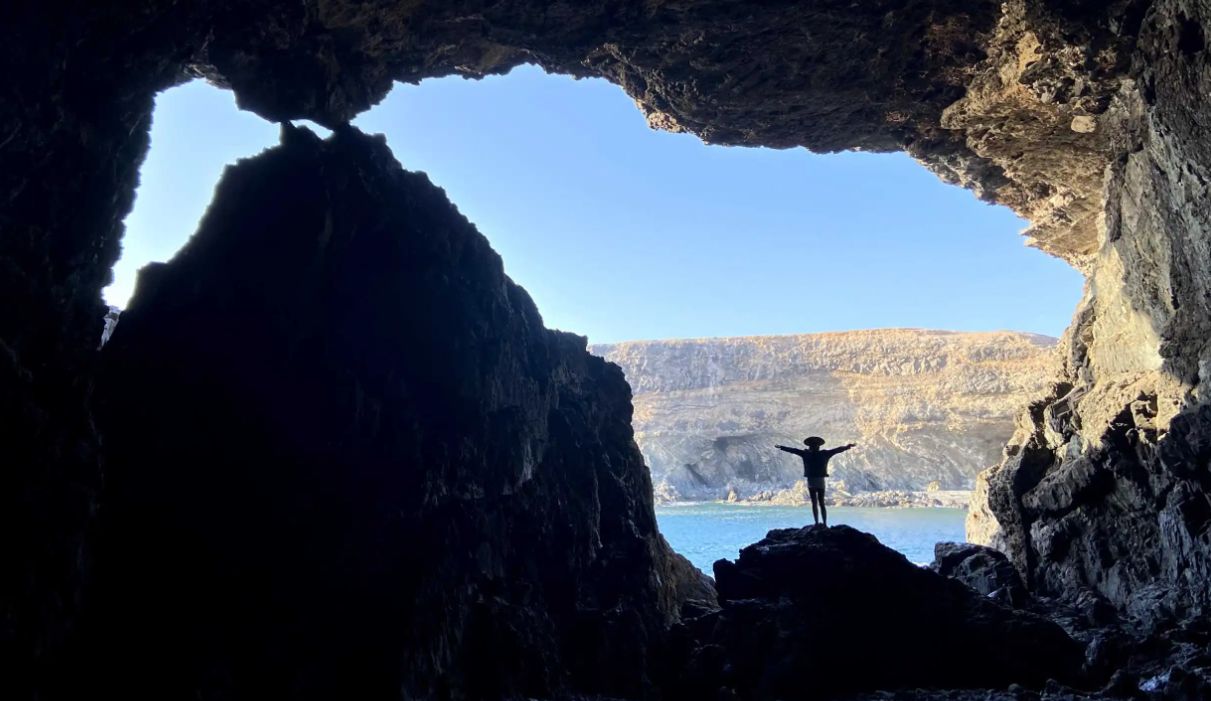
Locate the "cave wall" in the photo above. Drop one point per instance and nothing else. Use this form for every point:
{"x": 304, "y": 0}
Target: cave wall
{"x": 1105, "y": 485}
{"x": 1085, "y": 117}
{"x": 75, "y": 106}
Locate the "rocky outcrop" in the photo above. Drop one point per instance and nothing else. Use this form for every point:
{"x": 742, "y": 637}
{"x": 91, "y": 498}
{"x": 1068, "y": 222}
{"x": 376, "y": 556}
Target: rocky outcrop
{"x": 816, "y": 612}
{"x": 1105, "y": 484}
{"x": 927, "y": 408}
{"x": 983, "y": 569}
{"x": 981, "y": 524}
{"x": 345, "y": 459}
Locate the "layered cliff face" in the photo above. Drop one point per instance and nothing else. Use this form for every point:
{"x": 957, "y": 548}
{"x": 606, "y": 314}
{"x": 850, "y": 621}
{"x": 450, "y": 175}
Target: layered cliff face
{"x": 925, "y": 406}
{"x": 336, "y": 433}
{"x": 1085, "y": 117}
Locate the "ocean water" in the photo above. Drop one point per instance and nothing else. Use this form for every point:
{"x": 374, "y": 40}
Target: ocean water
{"x": 711, "y": 531}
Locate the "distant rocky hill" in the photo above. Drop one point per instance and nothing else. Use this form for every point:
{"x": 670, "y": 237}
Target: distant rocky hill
{"x": 929, "y": 409}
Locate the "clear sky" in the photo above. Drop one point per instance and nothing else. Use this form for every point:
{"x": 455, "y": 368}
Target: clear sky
{"x": 620, "y": 232}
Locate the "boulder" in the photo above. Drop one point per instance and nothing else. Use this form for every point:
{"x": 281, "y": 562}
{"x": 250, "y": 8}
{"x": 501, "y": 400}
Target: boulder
{"x": 815, "y": 612}
{"x": 984, "y": 569}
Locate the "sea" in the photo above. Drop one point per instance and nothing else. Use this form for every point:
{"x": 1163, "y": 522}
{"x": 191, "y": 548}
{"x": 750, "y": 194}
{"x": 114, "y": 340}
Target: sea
{"x": 710, "y": 531}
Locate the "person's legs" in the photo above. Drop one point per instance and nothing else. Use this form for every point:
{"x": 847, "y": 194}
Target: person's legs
{"x": 823, "y": 511}
{"x": 814, "y": 493}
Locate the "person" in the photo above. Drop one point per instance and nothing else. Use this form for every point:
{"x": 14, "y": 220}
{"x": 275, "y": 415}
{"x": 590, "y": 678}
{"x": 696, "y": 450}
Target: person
{"x": 815, "y": 469}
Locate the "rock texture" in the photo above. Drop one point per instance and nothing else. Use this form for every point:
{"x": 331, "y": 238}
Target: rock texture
{"x": 1088, "y": 118}
{"x": 983, "y": 569}
{"x": 1106, "y": 483}
{"x": 345, "y": 459}
{"x": 815, "y": 612}
{"x": 928, "y": 409}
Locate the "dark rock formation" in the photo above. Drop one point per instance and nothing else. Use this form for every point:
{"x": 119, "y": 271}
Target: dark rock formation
{"x": 1129, "y": 516}
{"x": 983, "y": 569}
{"x": 346, "y": 460}
{"x": 1088, "y": 118}
{"x": 814, "y": 612}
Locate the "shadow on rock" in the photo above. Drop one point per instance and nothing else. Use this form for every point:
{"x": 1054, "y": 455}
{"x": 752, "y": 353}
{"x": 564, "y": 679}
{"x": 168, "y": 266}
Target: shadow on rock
{"x": 817, "y": 612}
{"x": 984, "y": 569}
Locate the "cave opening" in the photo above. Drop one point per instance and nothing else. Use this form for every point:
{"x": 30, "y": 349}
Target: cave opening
{"x": 521, "y": 556}
{"x": 749, "y": 294}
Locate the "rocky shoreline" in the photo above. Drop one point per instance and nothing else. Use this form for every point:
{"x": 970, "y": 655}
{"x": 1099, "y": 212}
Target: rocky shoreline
{"x": 926, "y": 407}
{"x": 887, "y": 499}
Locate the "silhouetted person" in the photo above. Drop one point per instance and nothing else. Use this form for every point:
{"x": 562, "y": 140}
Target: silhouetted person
{"x": 815, "y": 469}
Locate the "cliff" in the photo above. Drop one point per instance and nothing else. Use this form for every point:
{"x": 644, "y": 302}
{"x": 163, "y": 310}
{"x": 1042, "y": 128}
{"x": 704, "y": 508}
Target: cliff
{"x": 338, "y": 434}
{"x": 929, "y": 409}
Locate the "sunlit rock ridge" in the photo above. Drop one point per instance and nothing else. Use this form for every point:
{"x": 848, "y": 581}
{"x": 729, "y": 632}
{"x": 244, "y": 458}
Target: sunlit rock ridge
{"x": 929, "y": 409}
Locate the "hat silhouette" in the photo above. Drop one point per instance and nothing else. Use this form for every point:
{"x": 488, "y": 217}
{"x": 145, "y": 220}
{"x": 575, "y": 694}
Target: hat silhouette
{"x": 813, "y": 440}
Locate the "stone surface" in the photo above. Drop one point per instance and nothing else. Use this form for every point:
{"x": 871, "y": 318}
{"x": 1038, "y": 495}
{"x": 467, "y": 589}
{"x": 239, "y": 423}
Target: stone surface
{"x": 981, "y": 525}
{"x": 816, "y": 612}
{"x": 983, "y": 569}
{"x": 345, "y": 459}
{"x": 923, "y": 406}
{"x": 1106, "y": 482}
{"x": 1105, "y": 486}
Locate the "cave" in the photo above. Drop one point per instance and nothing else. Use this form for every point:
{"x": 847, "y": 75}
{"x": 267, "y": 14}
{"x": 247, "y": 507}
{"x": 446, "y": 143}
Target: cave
{"x": 288, "y": 556}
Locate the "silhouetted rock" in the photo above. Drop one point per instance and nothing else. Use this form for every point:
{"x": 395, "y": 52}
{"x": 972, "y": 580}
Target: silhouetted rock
{"x": 813, "y": 612}
{"x": 346, "y": 460}
{"x": 986, "y": 570}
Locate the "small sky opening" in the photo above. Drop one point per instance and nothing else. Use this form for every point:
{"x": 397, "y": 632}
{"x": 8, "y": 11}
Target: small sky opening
{"x": 620, "y": 232}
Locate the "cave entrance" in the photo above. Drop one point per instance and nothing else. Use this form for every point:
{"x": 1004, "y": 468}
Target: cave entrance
{"x": 850, "y": 295}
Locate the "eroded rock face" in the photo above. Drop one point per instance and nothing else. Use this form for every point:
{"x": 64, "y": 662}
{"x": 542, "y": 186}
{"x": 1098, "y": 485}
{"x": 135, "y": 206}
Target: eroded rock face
{"x": 816, "y": 612}
{"x": 345, "y": 459}
{"x": 1107, "y": 481}
{"x": 983, "y": 569}
{"x": 924, "y": 407}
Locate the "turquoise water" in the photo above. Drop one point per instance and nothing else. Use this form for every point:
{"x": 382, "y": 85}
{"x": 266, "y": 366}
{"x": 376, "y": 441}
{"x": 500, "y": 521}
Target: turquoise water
{"x": 708, "y": 532}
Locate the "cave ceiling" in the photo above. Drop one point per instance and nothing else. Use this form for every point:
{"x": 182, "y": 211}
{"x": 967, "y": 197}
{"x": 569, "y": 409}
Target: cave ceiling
{"x": 1002, "y": 98}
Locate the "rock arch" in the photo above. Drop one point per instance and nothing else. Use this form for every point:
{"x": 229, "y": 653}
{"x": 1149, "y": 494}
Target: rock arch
{"x": 1087, "y": 118}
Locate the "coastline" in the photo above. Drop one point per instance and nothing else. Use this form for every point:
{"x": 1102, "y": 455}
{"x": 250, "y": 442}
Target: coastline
{"x": 795, "y": 496}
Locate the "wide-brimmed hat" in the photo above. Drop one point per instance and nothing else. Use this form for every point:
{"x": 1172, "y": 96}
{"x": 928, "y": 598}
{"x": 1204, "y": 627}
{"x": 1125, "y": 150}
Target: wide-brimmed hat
{"x": 813, "y": 440}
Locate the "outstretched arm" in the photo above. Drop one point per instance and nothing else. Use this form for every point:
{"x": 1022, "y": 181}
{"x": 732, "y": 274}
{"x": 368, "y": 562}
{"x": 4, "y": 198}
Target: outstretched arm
{"x": 842, "y": 449}
{"x": 788, "y": 450}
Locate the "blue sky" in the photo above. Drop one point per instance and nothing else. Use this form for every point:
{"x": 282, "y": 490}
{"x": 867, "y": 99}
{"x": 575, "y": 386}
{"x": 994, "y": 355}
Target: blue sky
{"x": 620, "y": 232}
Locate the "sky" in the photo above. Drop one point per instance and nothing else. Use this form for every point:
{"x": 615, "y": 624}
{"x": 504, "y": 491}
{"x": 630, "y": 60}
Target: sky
{"x": 620, "y": 232}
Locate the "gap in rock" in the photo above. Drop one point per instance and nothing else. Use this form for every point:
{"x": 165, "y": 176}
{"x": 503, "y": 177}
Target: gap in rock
{"x": 621, "y": 233}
